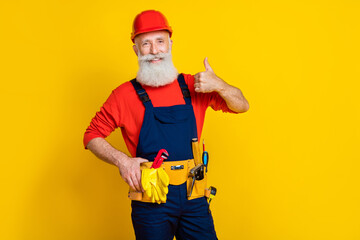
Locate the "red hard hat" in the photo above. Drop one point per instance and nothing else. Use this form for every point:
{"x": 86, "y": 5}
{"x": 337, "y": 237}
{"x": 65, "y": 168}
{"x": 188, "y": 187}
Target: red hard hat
{"x": 149, "y": 21}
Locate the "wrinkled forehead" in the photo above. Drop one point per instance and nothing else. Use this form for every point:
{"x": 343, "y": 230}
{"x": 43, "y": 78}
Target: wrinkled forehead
{"x": 151, "y": 36}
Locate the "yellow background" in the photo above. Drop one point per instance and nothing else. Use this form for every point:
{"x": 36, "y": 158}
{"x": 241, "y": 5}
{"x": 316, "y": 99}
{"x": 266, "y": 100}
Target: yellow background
{"x": 286, "y": 170}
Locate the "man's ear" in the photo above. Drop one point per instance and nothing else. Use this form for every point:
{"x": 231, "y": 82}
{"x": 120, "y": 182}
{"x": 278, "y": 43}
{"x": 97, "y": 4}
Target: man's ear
{"x": 135, "y": 49}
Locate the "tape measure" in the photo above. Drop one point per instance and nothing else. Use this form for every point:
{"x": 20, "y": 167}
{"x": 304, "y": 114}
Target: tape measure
{"x": 212, "y": 195}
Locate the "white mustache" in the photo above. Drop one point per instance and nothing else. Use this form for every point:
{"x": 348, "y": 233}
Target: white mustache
{"x": 149, "y": 57}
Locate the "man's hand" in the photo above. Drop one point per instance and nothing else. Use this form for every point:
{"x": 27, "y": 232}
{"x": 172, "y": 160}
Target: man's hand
{"x": 129, "y": 169}
{"x": 207, "y": 81}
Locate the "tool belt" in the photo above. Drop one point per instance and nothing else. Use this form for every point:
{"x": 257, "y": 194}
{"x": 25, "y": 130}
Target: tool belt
{"x": 178, "y": 172}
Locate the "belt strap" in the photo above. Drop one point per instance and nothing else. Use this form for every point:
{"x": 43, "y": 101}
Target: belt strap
{"x": 177, "y": 171}
{"x": 139, "y": 196}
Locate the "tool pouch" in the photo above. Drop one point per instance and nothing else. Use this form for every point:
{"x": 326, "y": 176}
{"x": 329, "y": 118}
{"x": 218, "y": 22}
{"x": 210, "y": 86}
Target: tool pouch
{"x": 198, "y": 189}
{"x": 178, "y": 172}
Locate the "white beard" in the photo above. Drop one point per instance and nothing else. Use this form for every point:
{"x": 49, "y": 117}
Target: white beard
{"x": 156, "y": 74}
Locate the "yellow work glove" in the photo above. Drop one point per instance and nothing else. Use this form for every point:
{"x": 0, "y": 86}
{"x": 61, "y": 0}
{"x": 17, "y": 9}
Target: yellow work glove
{"x": 155, "y": 182}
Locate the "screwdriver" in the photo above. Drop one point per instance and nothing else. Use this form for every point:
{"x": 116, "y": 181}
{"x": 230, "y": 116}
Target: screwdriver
{"x": 205, "y": 156}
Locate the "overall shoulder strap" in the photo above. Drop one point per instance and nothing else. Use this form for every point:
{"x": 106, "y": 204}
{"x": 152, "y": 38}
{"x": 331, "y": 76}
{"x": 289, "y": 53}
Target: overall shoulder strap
{"x": 184, "y": 89}
{"x": 144, "y": 97}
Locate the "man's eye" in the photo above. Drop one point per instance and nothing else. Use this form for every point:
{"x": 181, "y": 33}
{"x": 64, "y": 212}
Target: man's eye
{"x": 145, "y": 44}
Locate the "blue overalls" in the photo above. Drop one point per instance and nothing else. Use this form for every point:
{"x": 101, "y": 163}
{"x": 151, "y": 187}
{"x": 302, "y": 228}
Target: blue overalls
{"x": 170, "y": 128}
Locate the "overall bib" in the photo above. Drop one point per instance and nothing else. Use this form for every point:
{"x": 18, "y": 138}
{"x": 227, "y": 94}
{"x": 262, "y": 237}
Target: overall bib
{"x": 171, "y": 128}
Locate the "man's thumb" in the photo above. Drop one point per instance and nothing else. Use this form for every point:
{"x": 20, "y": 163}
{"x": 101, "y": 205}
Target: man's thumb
{"x": 141, "y": 160}
{"x": 207, "y": 65}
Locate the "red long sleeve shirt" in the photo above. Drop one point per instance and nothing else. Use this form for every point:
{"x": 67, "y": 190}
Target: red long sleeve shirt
{"x": 124, "y": 109}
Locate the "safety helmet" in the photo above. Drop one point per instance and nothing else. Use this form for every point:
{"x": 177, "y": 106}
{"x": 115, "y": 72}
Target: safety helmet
{"x": 149, "y": 21}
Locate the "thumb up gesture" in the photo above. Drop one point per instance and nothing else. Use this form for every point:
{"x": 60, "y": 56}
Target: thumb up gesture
{"x": 207, "y": 81}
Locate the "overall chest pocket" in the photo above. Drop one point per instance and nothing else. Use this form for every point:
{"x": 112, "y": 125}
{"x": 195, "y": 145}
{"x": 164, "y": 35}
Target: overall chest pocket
{"x": 173, "y": 115}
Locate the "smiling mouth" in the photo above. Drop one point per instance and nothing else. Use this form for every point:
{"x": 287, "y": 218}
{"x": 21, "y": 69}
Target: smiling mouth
{"x": 155, "y": 60}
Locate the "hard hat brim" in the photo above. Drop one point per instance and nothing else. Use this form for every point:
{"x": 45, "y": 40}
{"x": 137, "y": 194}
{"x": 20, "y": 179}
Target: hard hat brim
{"x": 133, "y": 35}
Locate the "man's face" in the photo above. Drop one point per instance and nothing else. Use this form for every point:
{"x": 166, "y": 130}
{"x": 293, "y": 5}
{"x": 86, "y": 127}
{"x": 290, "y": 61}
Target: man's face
{"x": 152, "y": 43}
{"x": 154, "y": 57}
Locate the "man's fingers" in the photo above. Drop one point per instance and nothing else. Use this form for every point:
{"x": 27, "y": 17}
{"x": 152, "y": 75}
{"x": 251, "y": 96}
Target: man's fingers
{"x": 203, "y": 80}
{"x": 141, "y": 160}
{"x": 130, "y": 183}
{"x": 197, "y": 87}
{"x": 199, "y": 75}
{"x": 136, "y": 181}
{"x": 207, "y": 65}
{"x": 196, "y": 81}
{"x": 131, "y": 173}
{"x": 138, "y": 178}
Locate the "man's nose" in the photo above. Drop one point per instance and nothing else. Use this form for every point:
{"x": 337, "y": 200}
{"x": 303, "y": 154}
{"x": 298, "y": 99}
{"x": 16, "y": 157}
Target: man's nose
{"x": 154, "y": 50}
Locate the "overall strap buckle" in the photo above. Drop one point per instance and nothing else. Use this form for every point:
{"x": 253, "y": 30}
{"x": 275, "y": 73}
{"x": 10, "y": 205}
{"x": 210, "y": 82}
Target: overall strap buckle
{"x": 144, "y": 97}
{"x": 184, "y": 89}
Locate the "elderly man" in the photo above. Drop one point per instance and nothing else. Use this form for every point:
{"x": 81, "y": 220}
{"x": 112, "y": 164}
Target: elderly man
{"x": 162, "y": 109}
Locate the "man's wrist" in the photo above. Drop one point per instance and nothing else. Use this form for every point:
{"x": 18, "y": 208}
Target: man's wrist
{"x": 118, "y": 158}
{"x": 221, "y": 89}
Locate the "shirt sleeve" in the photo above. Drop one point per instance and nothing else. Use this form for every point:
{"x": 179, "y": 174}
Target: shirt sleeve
{"x": 105, "y": 121}
{"x": 216, "y": 102}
